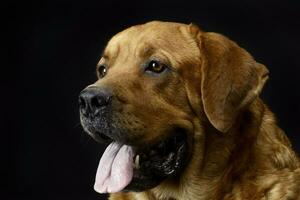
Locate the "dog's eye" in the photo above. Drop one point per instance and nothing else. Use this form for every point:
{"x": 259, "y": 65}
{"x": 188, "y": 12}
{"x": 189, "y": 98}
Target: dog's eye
{"x": 155, "y": 66}
{"x": 101, "y": 71}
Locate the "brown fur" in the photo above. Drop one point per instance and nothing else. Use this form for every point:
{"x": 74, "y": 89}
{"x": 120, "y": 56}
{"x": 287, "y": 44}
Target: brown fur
{"x": 236, "y": 149}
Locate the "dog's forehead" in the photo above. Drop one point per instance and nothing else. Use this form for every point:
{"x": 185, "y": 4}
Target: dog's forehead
{"x": 151, "y": 31}
{"x": 138, "y": 40}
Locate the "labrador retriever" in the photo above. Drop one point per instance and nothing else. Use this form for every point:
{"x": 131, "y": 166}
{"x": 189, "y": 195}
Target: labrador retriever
{"x": 180, "y": 110}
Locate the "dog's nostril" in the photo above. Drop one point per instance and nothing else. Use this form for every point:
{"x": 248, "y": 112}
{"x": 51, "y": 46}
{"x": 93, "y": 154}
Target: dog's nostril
{"x": 100, "y": 100}
{"x": 96, "y": 102}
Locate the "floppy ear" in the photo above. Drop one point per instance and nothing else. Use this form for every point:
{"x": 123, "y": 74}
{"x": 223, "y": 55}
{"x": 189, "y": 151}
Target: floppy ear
{"x": 231, "y": 78}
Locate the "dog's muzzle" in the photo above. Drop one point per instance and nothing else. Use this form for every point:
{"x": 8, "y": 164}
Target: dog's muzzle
{"x": 126, "y": 166}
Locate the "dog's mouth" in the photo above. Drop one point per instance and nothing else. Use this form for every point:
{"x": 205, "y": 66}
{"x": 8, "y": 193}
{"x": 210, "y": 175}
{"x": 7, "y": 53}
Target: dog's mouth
{"x": 129, "y": 168}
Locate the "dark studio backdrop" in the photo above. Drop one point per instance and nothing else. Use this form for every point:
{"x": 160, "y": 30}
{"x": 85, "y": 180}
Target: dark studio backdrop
{"x": 58, "y": 43}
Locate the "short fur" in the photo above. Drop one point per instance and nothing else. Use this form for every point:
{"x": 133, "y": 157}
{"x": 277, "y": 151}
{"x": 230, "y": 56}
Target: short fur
{"x": 237, "y": 151}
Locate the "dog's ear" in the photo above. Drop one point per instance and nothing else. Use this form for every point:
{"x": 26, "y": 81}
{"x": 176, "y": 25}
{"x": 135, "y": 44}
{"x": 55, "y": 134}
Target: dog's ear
{"x": 231, "y": 78}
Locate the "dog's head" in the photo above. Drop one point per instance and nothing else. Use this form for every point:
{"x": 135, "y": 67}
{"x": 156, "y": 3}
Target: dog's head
{"x": 156, "y": 83}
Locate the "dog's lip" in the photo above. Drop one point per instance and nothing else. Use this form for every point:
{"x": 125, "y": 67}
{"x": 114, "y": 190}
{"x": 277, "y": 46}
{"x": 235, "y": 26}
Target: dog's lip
{"x": 151, "y": 149}
{"x": 161, "y": 147}
{"x": 102, "y": 138}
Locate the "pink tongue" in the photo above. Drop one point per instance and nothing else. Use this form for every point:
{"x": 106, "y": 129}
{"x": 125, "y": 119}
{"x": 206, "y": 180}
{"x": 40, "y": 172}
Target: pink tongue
{"x": 115, "y": 169}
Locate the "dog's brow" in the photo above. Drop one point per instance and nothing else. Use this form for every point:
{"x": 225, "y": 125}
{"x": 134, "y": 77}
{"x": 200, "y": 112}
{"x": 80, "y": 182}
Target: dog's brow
{"x": 145, "y": 50}
{"x": 104, "y": 54}
{"x": 111, "y": 53}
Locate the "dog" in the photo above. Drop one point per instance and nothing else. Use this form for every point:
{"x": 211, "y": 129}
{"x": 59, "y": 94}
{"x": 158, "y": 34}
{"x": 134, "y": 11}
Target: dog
{"x": 180, "y": 110}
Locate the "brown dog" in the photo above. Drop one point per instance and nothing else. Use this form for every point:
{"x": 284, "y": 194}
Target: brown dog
{"x": 180, "y": 109}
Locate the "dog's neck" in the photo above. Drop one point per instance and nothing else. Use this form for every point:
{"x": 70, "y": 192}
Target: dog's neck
{"x": 230, "y": 158}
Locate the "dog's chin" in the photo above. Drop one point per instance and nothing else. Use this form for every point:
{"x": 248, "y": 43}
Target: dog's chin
{"x": 153, "y": 163}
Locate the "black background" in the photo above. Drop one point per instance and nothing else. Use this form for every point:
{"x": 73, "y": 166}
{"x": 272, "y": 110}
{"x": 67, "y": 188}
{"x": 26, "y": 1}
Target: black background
{"x": 55, "y": 47}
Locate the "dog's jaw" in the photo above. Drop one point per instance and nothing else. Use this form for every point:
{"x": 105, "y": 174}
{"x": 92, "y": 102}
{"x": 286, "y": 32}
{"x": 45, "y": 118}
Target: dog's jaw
{"x": 128, "y": 168}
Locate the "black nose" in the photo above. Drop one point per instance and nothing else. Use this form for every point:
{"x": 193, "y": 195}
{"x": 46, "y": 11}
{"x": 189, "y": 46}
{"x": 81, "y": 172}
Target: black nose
{"x": 93, "y": 99}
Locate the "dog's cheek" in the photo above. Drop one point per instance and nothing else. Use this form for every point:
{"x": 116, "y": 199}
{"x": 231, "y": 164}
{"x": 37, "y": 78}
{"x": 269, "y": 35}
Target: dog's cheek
{"x": 127, "y": 126}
